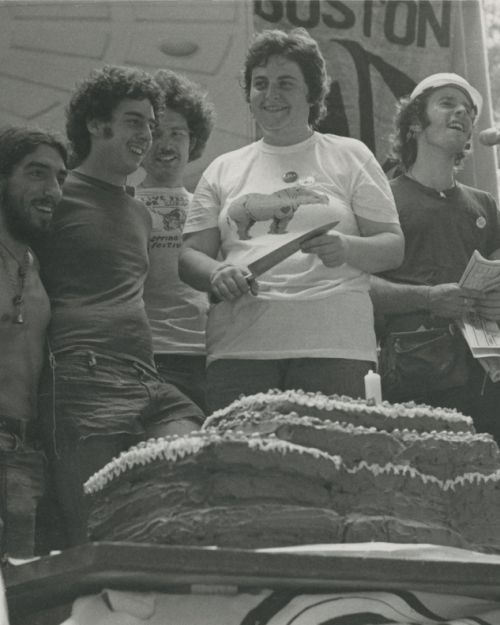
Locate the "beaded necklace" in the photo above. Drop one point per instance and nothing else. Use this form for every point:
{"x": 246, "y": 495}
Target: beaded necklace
{"x": 16, "y": 279}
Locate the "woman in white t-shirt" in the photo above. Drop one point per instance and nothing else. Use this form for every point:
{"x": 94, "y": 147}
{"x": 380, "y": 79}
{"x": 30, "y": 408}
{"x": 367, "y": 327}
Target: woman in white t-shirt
{"x": 306, "y": 323}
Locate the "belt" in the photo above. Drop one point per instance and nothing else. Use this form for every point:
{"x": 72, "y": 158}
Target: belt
{"x": 92, "y": 358}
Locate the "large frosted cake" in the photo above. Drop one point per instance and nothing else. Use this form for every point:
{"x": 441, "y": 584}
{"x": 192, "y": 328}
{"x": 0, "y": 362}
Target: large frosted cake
{"x": 284, "y": 468}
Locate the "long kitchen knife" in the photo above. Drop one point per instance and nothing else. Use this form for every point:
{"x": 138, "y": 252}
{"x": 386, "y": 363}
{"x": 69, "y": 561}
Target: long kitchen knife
{"x": 271, "y": 259}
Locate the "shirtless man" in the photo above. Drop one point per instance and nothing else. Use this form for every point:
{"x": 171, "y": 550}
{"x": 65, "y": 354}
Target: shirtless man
{"x": 32, "y": 171}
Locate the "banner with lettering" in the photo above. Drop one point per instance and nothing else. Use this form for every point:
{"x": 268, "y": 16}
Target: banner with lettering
{"x": 378, "y": 50}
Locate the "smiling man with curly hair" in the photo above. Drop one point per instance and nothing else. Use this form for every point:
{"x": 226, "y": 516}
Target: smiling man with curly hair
{"x": 177, "y": 312}
{"x": 102, "y": 392}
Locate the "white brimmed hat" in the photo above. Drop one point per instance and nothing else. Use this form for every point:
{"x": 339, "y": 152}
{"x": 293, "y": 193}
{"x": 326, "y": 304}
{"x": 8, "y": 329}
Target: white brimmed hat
{"x": 445, "y": 79}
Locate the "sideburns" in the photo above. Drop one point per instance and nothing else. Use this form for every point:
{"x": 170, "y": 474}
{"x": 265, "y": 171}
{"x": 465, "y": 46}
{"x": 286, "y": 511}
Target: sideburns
{"x": 15, "y": 221}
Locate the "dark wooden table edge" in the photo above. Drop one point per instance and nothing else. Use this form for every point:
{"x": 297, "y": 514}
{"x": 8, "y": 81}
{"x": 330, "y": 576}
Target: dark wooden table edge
{"x": 87, "y": 569}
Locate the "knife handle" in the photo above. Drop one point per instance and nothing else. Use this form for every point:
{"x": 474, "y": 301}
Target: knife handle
{"x": 252, "y": 283}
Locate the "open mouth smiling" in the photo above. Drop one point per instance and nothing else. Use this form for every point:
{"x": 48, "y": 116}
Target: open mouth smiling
{"x": 166, "y": 158}
{"x": 137, "y": 150}
{"x": 47, "y": 208}
{"x": 274, "y": 108}
{"x": 456, "y": 126}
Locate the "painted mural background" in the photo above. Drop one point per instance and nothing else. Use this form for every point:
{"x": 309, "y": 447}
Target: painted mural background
{"x": 376, "y": 50}
{"x": 46, "y": 47}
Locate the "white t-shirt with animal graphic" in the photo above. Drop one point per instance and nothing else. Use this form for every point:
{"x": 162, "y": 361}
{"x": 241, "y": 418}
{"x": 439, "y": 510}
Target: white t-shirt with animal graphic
{"x": 177, "y": 313}
{"x": 261, "y": 195}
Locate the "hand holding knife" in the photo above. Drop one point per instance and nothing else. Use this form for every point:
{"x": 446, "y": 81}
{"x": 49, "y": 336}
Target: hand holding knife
{"x": 231, "y": 281}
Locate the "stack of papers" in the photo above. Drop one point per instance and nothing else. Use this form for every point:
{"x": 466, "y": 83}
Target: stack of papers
{"x": 482, "y": 335}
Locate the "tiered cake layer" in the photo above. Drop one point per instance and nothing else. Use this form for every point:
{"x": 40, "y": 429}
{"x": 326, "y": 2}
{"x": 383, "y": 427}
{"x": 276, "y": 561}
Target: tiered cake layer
{"x": 234, "y": 489}
{"x": 446, "y": 454}
{"x": 383, "y": 416}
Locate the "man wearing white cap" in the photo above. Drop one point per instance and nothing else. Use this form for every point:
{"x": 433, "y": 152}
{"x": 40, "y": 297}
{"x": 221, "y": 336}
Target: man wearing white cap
{"x": 443, "y": 222}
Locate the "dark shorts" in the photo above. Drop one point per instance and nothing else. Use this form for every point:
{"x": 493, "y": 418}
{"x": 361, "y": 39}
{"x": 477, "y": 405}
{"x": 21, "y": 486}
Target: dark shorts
{"x": 92, "y": 407}
{"x": 85, "y": 394}
{"x": 22, "y": 480}
{"x": 187, "y": 372}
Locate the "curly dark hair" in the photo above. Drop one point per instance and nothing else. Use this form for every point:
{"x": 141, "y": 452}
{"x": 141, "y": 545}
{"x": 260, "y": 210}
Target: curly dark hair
{"x": 298, "y": 46}
{"x": 16, "y": 142}
{"x": 97, "y": 96}
{"x": 404, "y": 140}
{"x": 189, "y": 100}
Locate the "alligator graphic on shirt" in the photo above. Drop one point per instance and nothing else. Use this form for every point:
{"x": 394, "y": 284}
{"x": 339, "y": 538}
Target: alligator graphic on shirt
{"x": 278, "y": 207}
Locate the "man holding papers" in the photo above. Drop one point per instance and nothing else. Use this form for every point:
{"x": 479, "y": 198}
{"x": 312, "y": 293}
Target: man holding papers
{"x": 423, "y": 355}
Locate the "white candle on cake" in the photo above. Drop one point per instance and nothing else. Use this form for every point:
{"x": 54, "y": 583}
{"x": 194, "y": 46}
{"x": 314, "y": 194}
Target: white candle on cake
{"x": 373, "y": 387}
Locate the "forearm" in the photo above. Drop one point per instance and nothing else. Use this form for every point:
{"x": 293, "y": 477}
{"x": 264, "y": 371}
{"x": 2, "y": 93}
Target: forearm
{"x": 375, "y": 253}
{"x": 393, "y": 298}
{"x": 195, "y": 268}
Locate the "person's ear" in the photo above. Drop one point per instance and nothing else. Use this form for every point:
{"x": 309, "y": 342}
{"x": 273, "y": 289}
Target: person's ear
{"x": 95, "y": 127}
{"x": 468, "y": 145}
{"x": 413, "y": 131}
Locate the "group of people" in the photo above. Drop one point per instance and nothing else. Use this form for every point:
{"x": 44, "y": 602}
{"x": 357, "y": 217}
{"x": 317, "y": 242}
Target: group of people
{"x": 155, "y": 319}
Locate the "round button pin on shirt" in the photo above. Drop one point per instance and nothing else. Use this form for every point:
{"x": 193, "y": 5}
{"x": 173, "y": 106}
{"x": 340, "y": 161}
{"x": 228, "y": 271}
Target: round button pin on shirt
{"x": 290, "y": 176}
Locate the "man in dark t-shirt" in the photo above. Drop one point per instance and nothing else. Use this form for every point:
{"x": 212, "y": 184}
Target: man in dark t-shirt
{"x": 443, "y": 221}
{"x": 102, "y": 392}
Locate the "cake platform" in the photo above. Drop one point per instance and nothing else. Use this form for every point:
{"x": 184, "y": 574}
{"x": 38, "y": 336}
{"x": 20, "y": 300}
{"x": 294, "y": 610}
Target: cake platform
{"x": 41, "y": 592}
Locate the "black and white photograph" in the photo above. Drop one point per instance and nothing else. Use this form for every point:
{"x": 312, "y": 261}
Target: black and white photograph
{"x": 249, "y": 312}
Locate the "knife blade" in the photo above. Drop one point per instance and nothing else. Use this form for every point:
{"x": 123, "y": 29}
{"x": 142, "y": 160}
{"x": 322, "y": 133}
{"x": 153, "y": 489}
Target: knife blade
{"x": 271, "y": 259}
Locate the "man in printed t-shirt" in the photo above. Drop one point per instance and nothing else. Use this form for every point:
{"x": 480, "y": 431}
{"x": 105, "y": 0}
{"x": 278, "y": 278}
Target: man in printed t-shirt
{"x": 177, "y": 312}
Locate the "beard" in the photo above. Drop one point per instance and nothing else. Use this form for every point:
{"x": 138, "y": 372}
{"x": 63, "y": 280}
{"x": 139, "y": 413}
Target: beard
{"x": 18, "y": 222}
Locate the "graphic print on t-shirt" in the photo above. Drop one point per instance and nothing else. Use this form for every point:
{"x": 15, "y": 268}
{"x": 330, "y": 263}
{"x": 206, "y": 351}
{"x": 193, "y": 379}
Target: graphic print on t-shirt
{"x": 168, "y": 212}
{"x": 278, "y": 207}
